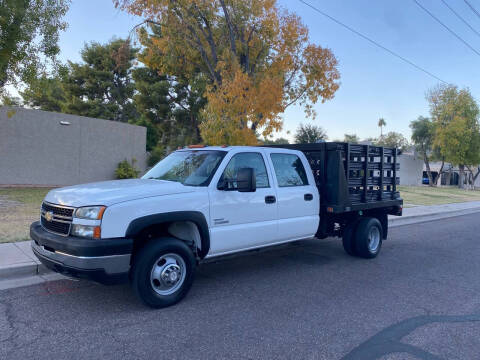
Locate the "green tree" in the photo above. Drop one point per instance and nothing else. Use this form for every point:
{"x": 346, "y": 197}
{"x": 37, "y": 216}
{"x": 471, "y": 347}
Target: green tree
{"x": 278, "y": 141}
{"x": 457, "y": 130}
{"x": 308, "y": 134}
{"x": 152, "y": 104}
{"x": 168, "y": 108}
{"x": 351, "y": 138}
{"x": 29, "y": 31}
{"x": 101, "y": 86}
{"x": 46, "y": 92}
{"x": 393, "y": 139}
{"x": 423, "y": 133}
{"x": 381, "y": 124}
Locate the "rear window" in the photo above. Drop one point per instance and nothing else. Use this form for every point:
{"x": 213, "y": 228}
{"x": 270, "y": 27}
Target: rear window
{"x": 289, "y": 170}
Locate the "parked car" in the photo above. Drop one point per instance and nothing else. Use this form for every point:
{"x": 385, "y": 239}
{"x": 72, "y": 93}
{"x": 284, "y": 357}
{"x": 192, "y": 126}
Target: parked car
{"x": 200, "y": 203}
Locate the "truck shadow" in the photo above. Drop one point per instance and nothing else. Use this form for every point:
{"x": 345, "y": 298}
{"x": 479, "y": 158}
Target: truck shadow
{"x": 388, "y": 341}
{"x": 214, "y": 277}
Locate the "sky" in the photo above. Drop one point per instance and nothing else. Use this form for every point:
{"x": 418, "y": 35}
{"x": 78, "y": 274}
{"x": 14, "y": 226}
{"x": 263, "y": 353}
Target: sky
{"x": 374, "y": 83}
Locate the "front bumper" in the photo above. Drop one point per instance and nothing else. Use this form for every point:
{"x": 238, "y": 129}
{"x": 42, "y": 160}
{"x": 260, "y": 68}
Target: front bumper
{"x": 103, "y": 260}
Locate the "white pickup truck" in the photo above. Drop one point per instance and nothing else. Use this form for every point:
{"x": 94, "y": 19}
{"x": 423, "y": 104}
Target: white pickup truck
{"x": 202, "y": 202}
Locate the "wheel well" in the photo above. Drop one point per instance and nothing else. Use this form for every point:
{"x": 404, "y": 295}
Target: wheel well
{"x": 184, "y": 230}
{"x": 379, "y": 215}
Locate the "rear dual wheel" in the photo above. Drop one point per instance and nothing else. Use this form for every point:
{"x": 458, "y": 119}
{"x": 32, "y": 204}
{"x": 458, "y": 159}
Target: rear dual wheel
{"x": 363, "y": 238}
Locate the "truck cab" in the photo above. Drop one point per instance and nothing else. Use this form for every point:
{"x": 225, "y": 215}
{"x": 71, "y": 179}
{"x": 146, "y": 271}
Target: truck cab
{"x": 196, "y": 203}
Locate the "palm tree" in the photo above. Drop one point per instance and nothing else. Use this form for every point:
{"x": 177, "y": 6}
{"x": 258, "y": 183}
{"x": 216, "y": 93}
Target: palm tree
{"x": 381, "y": 124}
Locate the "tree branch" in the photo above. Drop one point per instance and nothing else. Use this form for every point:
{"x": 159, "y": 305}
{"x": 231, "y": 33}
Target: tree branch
{"x": 175, "y": 100}
{"x": 233, "y": 46}
{"x": 203, "y": 53}
{"x": 297, "y": 97}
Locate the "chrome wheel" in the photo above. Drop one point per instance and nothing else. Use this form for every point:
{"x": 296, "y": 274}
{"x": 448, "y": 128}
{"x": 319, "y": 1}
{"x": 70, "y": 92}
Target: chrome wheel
{"x": 168, "y": 274}
{"x": 373, "y": 239}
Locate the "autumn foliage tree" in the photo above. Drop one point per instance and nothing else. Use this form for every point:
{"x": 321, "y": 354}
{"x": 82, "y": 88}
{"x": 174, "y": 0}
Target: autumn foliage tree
{"x": 455, "y": 114}
{"x": 255, "y": 59}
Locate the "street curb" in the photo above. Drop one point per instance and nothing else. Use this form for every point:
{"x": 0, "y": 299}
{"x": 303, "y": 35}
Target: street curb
{"x": 22, "y": 270}
{"x": 417, "y": 219}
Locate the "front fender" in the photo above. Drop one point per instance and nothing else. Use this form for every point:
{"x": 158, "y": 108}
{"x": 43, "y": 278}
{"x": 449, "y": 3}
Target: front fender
{"x": 138, "y": 225}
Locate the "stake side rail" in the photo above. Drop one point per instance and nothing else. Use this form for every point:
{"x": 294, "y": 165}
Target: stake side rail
{"x": 353, "y": 177}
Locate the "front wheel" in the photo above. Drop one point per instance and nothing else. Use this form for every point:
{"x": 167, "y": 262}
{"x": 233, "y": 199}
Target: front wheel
{"x": 163, "y": 272}
{"x": 368, "y": 238}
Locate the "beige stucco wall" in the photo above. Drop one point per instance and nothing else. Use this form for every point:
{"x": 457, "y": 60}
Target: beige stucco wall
{"x": 36, "y": 149}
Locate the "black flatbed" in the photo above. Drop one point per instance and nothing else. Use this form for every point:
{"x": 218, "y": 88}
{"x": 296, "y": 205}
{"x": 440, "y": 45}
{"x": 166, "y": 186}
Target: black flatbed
{"x": 353, "y": 177}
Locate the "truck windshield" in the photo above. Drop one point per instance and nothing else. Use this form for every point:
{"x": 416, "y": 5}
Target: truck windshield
{"x": 191, "y": 168}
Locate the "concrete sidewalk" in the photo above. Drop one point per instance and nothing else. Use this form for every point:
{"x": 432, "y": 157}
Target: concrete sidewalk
{"x": 19, "y": 266}
{"x": 420, "y": 214}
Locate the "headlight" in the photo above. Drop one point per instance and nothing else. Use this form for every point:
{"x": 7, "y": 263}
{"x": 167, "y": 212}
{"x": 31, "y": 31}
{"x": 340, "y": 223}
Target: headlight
{"x": 90, "y": 212}
{"x": 86, "y": 231}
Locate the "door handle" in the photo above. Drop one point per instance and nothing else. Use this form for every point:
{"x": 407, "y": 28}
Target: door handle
{"x": 308, "y": 197}
{"x": 270, "y": 199}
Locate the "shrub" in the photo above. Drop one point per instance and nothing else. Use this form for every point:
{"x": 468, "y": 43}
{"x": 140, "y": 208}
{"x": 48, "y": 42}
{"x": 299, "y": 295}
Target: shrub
{"x": 125, "y": 170}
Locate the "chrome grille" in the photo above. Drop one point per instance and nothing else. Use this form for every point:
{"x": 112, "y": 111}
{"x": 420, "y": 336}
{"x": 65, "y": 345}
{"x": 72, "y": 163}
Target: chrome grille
{"x": 58, "y": 209}
{"x": 56, "y": 218}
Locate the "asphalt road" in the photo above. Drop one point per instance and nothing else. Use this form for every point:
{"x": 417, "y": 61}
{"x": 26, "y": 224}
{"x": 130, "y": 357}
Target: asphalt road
{"x": 420, "y": 299}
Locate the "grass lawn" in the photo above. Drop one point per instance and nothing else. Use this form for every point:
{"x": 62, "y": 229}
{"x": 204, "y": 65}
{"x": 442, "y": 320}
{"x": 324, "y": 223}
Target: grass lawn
{"x": 19, "y": 207}
{"x": 425, "y": 195}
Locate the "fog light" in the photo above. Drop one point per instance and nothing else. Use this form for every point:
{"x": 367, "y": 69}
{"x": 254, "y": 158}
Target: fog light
{"x": 86, "y": 231}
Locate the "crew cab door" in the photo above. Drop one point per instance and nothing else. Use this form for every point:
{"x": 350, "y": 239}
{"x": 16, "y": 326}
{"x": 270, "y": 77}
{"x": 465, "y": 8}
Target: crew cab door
{"x": 297, "y": 196}
{"x": 242, "y": 220}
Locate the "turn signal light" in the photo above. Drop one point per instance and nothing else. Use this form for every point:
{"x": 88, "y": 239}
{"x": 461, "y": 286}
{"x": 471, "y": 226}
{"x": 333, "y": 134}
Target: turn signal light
{"x": 97, "y": 232}
{"x": 100, "y": 213}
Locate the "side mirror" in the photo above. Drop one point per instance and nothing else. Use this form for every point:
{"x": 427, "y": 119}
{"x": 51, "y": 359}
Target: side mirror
{"x": 246, "y": 180}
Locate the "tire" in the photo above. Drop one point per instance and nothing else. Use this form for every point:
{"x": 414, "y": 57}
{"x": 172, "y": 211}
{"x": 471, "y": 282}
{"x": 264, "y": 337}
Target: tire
{"x": 383, "y": 218}
{"x": 348, "y": 239}
{"x": 368, "y": 238}
{"x": 163, "y": 272}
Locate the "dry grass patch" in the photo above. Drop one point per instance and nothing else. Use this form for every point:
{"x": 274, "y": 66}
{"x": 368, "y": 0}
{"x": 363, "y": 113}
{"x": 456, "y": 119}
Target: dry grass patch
{"x": 425, "y": 195}
{"x": 19, "y": 207}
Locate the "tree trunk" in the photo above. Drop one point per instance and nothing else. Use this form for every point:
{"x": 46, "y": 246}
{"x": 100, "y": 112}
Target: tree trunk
{"x": 198, "y": 137}
{"x": 461, "y": 176}
{"x": 429, "y": 172}
{"x": 476, "y": 176}
{"x": 448, "y": 180}
{"x": 440, "y": 172}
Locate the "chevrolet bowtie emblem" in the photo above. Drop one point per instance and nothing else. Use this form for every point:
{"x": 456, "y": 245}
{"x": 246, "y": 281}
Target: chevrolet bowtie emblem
{"x": 49, "y": 215}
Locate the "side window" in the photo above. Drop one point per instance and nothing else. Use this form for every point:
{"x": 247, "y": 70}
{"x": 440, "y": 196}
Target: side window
{"x": 244, "y": 160}
{"x": 289, "y": 170}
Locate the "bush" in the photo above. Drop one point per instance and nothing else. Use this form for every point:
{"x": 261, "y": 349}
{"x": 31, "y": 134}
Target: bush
{"x": 125, "y": 170}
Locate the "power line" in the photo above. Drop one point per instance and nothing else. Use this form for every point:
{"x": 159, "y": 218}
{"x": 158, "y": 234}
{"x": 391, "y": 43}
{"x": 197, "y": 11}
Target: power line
{"x": 446, "y": 27}
{"x": 472, "y": 8}
{"x": 391, "y": 52}
{"x": 461, "y": 18}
